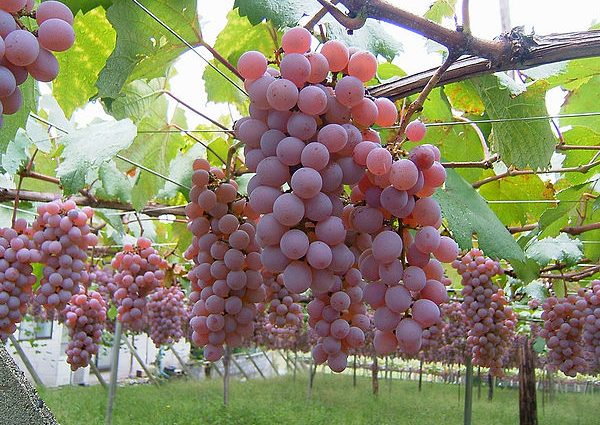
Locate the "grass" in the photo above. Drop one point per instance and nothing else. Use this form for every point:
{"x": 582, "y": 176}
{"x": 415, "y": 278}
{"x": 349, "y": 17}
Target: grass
{"x": 283, "y": 401}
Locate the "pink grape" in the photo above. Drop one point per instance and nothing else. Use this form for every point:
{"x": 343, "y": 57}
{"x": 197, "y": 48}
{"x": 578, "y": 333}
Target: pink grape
{"x": 387, "y": 114}
{"x": 319, "y": 67}
{"x": 252, "y": 65}
{"x": 409, "y": 334}
{"x": 282, "y": 94}
{"x": 387, "y": 246}
{"x": 398, "y": 298}
{"x": 296, "y": 68}
{"x": 301, "y": 125}
{"x": 362, "y": 65}
{"x": 7, "y": 82}
{"x": 45, "y": 68}
{"x": 294, "y": 244}
{"x": 13, "y": 6}
{"x": 312, "y": 100}
{"x": 415, "y": 131}
{"x": 289, "y": 150}
{"x": 22, "y": 48}
{"x": 337, "y": 55}
{"x": 427, "y": 239}
{"x": 447, "y": 251}
{"x": 306, "y": 183}
{"x": 403, "y": 174}
{"x": 365, "y": 113}
{"x": 333, "y": 136}
{"x": 349, "y": 91}
{"x": 296, "y": 40}
{"x": 379, "y": 161}
{"x": 51, "y": 10}
{"x": 56, "y": 35}
{"x": 435, "y": 175}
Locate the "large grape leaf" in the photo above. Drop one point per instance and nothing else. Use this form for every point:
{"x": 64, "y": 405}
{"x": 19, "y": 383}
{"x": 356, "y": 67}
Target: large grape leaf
{"x": 144, "y": 48}
{"x": 576, "y": 73}
{"x": 11, "y": 123}
{"x": 554, "y": 219}
{"x": 464, "y": 97}
{"x": 468, "y": 214}
{"x": 17, "y": 153}
{"x": 517, "y": 188}
{"x": 86, "y": 149}
{"x": 282, "y": 13}
{"x": 580, "y": 136}
{"x": 520, "y": 143}
{"x": 115, "y": 185}
{"x": 80, "y": 65}
{"x": 238, "y": 36}
{"x": 181, "y": 171}
{"x": 86, "y": 5}
{"x": 562, "y": 249}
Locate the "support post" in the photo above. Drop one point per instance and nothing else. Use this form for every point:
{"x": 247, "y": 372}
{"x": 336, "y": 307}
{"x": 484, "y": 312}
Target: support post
{"x": 527, "y": 396}
{"x": 490, "y": 387}
{"x": 295, "y": 362}
{"x": 114, "y": 368}
{"x": 237, "y": 365}
{"x": 270, "y": 362}
{"x": 226, "y": 361}
{"x": 249, "y": 357}
{"x": 184, "y": 366}
{"x": 478, "y": 382}
{"x": 468, "y": 414}
{"x": 141, "y": 362}
{"x": 354, "y": 372}
{"x": 374, "y": 377}
{"x": 26, "y": 362}
{"x": 420, "y": 374}
{"x": 98, "y": 375}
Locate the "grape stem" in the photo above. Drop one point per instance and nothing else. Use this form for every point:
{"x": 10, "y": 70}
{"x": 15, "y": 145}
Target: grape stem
{"x": 230, "y": 164}
{"x": 318, "y": 16}
{"x": 351, "y": 23}
{"x": 466, "y": 18}
{"x": 21, "y": 177}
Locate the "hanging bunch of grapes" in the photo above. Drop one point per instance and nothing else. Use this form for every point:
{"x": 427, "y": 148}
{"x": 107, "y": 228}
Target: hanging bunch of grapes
{"x": 226, "y": 280}
{"x": 167, "y": 312}
{"x": 283, "y": 308}
{"x": 139, "y": 270}
{"x": 25, "y": 51}
{"x": 491, "y": 320}
{"x": 17, "y": 252}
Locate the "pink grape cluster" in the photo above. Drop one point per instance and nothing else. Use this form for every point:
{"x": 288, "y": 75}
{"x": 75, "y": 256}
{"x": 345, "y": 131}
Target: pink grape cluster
{"x": 139, "y": 271}
{"x": 339, "y": 318}
{"x": 17, "y": 252}
{"x": 564, "y": 319}
{"x": 24, "y": 52}
{"x": 84, "y": 317}
{"x": 591, "y": 328}
{"x": 433, "y": 342}
{"x": 62, "y": 236}
{"x": 491, "y": 320}
{"x": 454, "y": 346}
{"x": 167, "y": 313}
{"x": 104, "y": 278}
{"x": 226, "y": 278}
{"x": 283, "y": 308}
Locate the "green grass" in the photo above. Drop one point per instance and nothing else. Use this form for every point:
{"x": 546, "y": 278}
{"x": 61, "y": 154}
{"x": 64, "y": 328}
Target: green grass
{"x": 283, "y": 401}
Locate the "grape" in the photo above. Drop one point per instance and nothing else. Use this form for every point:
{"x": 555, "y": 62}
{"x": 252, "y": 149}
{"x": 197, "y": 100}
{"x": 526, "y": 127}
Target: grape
{"x": 386, "y": 112}
{"x": 22, "y": 48}
{"x": 435, "y": 176}
{"x": 409, "y": 334}
{"x": 272, "y": 172}
{"x": 278, "y": 119}
{"x": 296, "y": 68}
{"x": 294, "y": 244}
{"x": 257, "y": 90}
{"x": 362, "y": 65}
{"x": 319, "y": 67}
{"x": 312, "y": 100}
{"x": 591, "y": 327}
{"x": 282, "y": 95}
{"x": 252, "y": 65}
{"x": 251, "y": 131}
{"x": 268, "y": 145}
{"x": 428, "y": 240}
{"x": 398, "y": 298}
{"x": 297, "y": 277}
{"x": 349, "y": 91}
{"x": 7, "y": 23}
{"x": 319, "y": 207}
{"x": 319, "y": 255}
{"x": 296, "y": 40}
{"x": 425, "y": 312}
{"x": 306, "y": 183}
{"x": 387, "y": 246}
{"x": 56, "y": 35}
{"x": 7, "y": 82}
{"x": 427, "y": 212}
{"x": 415, "y": 131}
{"x": 337, "y": 55}
{"x": 333, "y": 136}
{"x": 44, "y": 68}
{"x": 166, "y": 315}
{"x": 447, "y": 250}
{"x": 365, "y": 112}
{"x": 53, "y": 9}
{"x": 315, "y": 155}
{"x": 85, "y": 318}
{"x": 288, "y": 209}
{"x": 289, "y": 150}
{"x": 13, "y": 6}
{"x": 403, "y": 174}
{"x": 336, "y": 112}
{"x": 301, "y": 125}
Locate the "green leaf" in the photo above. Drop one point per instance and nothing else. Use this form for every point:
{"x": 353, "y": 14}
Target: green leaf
{"x": 112, "y": 312}
{"x": 238, "y": 36}
{"x": 561, "y": 248}
{"x": 372, "y": 37}
{"x": 38, "y": 133}
{"x": 11, "y": 123}
{"x": 536, "y": 290}
{"x": 137, "y": 98}
{"x": 242, "y": 182}
{"x": 282, "y": 13}
{"x": 467, "y": 214}
{"x": 17, "y": 153}
{"x": 144, "y": 48}
{"x": 464, "y": 97}
{"x": 388, "y": 70}
{"x": 86, "y": 149}
{"x": 554, "y": 219}
{"x": 441, "y": 9}
{"x": 217, "y": 152}
{"x": 581, "y": 100}
{"x": 520, "y": 143}
{"x": 114, "y": 184}
{"x": 580, "y": 136}
{"x": 517, "y": 188}
{"x": 86, "y": 5}
{"x": 539, "y": 345}
{"x": 181, "y": 171}
{"x": 576, "y": 73}
{"x": 80, "y": 65}
{"x": 596, "y": 205}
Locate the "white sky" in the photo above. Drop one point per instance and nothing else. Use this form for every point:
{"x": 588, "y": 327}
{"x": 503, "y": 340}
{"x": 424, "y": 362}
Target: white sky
{"x": 544, "y": 16}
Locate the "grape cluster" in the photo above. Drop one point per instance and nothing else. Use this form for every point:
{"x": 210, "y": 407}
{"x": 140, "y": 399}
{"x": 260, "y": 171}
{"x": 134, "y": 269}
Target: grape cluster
{"x": 433, "y": 342}
{"x": 591, "y": 328}
{"x": 454, "y": 347}
{"x": 491, "y": 320}
{"x": 167, "y": 313}
{"x": 17, "y": 252}
{"x": 24, "y": 52}
{"x": 226, "y": 279}
{"x": 63, "y": 236}
{"x": 104, "y": 278}
{"x": 283, "y": 307}
{"x": 84, "y": 317}
{"x": 139, "y": 271}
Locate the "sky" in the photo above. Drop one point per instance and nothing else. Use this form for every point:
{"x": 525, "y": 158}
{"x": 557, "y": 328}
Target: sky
{"x": 541, "y": 16}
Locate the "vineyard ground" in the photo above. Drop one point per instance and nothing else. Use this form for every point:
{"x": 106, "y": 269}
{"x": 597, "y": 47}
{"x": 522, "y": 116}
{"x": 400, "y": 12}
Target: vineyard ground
{"x": 281, "y": 400}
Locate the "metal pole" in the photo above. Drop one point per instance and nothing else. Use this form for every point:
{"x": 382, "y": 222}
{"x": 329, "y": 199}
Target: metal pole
{"x": 226, "y": 362}
{"x": 233, "y": 359}
{"x": 468, "y": 391}
{"x": 184, "y": 366}
{"x": 26, "y": 362}
{"x": 249, "y": 357}
{"x": 140, "y": 361}
{"x": 114, "y": 368}
{"x": 96, "y": 372}
{"x": 270, "y": 362}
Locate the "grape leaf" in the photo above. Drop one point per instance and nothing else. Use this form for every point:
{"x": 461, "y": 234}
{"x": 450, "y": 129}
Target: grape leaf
{"x": 217, "y": 152}
{"x": 17, "y": 153}
{"x": 596, "y": 205}
{"x": 581, "y": 100}
{"x": 282, "y": 13}
{"x": 464, "y": 97}
{"x": 520, "y": 143}
{"x": 181, "y": 171}
{"x": 580, "y": 136}
{"x": 554, "y": 219}
{"x": 86, "y": 5}
{"x": 440, "y": 9}
{"x": 80, "y": 65}
{"x": 467, "y": 213}
{"x": 11, "y": 123}
{"x": 86, "y": 149}
{"x": 562, "y": 249}
{"x": 576, "y": 73}
{"x": 536, "y": 289}
{"x": 114, "y": 184}
{"x": 144, "y": 48}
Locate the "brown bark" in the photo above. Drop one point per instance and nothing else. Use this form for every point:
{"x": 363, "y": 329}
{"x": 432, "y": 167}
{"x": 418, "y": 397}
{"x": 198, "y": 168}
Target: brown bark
{"x": 527, "y": 396}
